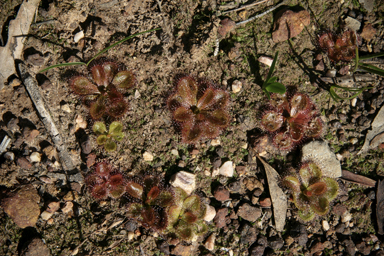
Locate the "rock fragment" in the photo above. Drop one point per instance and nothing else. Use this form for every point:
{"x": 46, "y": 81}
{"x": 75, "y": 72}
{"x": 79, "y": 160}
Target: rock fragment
{"x": 226, "y": 169}
{"x": 184, "y": 180}
{"x": 221, "y": 194}
{"x": 287, "y": 19}
{"x": 35, "y": 247}
{"x": 22, "y": 206}
{"x": 148, "y": 157}
{"x": 210, "y": 213}
{"x": 249, "y": 213}
{"x": 210, "y": 242}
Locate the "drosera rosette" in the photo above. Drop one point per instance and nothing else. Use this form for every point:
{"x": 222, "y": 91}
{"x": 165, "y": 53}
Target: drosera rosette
{"x": 150, "y": 199}
{"x": 106, "y": 181}
{"x": 290, "y": 120}
{"x": 106, "y": 137}
{"x": 311, "y": 192}
{"x": 186, "y": 216}
{"x": 339, "y": 47}
{"x": 199, "y": 108}
{"x": 104, "y": 92}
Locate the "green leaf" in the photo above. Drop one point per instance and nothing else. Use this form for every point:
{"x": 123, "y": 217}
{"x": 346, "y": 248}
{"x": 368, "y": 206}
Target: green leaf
{"x": 276, "y": 88}
{"x": 119, "y": 42}
{"x": 101, "y": 139}
{"x": 271, "y": 80}
{"x": 99, "y": 128}
{"x": 332, "y": 188}
{"x": 306, "y": 216}
{"x": 62, "y": 65}
{"x": 115, "y": 128}
{"x": 118, "y": 136}
{"x": 271, "y": 69}
{"x": 292, "y": 182}
{"x": 371, "y": 56}
{"x": 110, "y": 145}
{"x": 371, "y": 69}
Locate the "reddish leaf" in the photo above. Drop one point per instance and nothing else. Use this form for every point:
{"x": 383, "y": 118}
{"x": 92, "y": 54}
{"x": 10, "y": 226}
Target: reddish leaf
{"x": 82, "y": 86}
{"x": 315, "y": 128}
{"x": 191, "y": 133}
{"x": 283, "y": 141}
{"x": 99, "y": 191}
{"x": 97, "y": 108}
{"x": 117, "y": 108}
{"x": 272, "y": 121}
{"x": 103, "y": 169}
{"x": 183, "y": 114}
{"x": 299, "y": 102}
{"x": 319, "y": 188}
{"x": 320, "y": 205}
{"x": 207, "y": 99}
{"x": 187, "y": 90}
{"x": 189, "y": 217}
{"x": 152, "y": 194}
{"x": 218, "y": 118}
{"x": 103, "y": 73}
{"x": 134, "y": 189}
{"x": 124, "y": 79}
{"x": 116, "y": 179}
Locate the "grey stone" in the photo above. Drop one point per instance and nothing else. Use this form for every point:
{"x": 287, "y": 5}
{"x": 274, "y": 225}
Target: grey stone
{"x": 320, "y": 153}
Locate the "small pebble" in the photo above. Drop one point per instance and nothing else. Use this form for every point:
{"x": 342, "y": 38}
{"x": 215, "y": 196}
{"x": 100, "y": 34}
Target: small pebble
{"x": 137, "y": 95}
{"x": 353, "y": 102}
{"x": 236, "y": 86}
{"x": 10, "y": 156}
{"x": 265, "y": 60}
{"x": 131, "y": 235}
{"x": 226, "y": 169}
{"x": 15, "y": 82}
{"x": 80, "y": 123}
{"x": 210, "y": 213}
{"x": 35, "y": 157}
{"x": 46, "y": 215}
{"x": 346, "y": 217}
{"x": 215, "y": 142}
{"x": 353, "y": 141}
{"x": 66, "y": 108}
{"x": 148, "y": 156}
{"x": 79, "y": 35}
{"x": 331, "y": 73}
{"x": 325, "y": 225}
{"x": 175, "y": 152}
{"x": 68, "y": 208}
{"x": 184, "y": 180}
{"x": 210, "y": 242}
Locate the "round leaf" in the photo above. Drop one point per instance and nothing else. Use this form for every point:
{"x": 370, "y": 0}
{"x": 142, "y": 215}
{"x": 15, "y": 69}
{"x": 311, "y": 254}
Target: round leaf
{"x": 99, "y": 128}
{"x": 101, "y": 139}
{"x": 115, "y": 128}
{"x": 124, "y": 79}
{"x": 110, "y": 145}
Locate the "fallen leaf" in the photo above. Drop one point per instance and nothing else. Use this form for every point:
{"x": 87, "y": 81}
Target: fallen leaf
{"x": 375, "y": 135}
{"x": 278, "y": 197}
{"x": 352, "y": 177}
{"x": 380, "y": 207}
{"x": 17, "y": 30}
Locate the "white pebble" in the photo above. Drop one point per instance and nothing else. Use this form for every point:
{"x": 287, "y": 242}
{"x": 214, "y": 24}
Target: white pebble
{"x": 148, "y": 156}
{"x": 175, "y": 152}
{"x": 137, "y": 94}
{"x": 346, "y": 217}
{"x": 184, "y": 180}
{"x": 35, "y": 157}
{"x": 244, "y": 145}
{"x": 265, "y": 60}
{"x": 215, "y": 142}
{"x": 46, "y": 215}
{"x": 131, "y": 235}
{"x": 210, "y": 213}
{"x": 353, "y": 102}
{"x": 79, "y": 35}
{"x": 80, "y": 123}
{"x": 226, "y": 169}
{"x": 236, "y": 86}
{"x": 353, "y": 140}
{"x": 65, "y": 108}
{"x": 210, "y": 243}
{"x": 325, "y": 225}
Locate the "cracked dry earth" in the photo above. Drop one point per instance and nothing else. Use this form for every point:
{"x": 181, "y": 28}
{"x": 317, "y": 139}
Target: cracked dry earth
{"x": 48, "y": 210}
